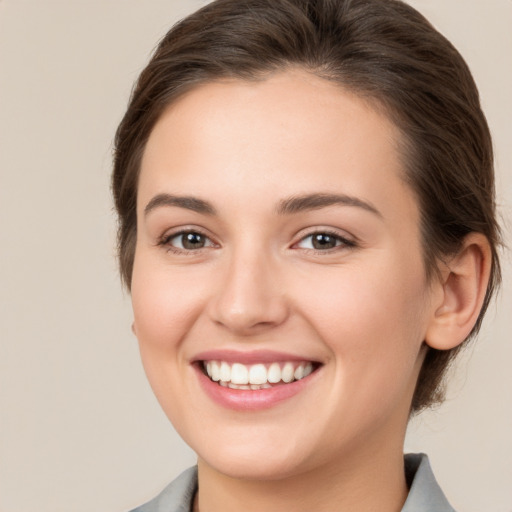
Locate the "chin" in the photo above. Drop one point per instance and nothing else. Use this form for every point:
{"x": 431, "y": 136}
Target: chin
{"x": 256, "y": 467}
{"x": 252, "y": 461}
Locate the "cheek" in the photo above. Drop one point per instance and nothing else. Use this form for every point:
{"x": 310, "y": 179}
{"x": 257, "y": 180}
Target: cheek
{"x": 366, "y": 297}
{"x": 372, "y": 318}
{"x": 165, "y": 305}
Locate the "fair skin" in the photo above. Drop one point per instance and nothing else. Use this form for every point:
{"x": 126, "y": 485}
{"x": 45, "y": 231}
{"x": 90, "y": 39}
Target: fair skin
{"x": 274, "y": 226}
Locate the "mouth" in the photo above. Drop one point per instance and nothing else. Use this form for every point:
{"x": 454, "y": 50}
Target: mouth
{"x": 255, "y": 380}
{"x": 236, "y": 375}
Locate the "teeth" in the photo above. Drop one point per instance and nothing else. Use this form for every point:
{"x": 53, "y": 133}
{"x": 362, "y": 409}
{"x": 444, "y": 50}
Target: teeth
{"x": 256, "y": 376}
{"x": 215, "y": 372}
{"x": 274, "y": 373}
{"x": 262, "y": 386}
{"x": 225, "y": 372}
{"x": 299, "y": 372}
{"x": 239, "y": 374}
{"x": 238, "y": 386}
{"x": 287, "y": 372}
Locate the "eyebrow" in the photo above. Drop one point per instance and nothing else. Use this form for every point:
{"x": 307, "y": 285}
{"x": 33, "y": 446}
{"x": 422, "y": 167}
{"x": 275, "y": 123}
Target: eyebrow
{"x": 306, "y": 202}
{"x": 187, "y": 202}
{"x": 287, "y": 206}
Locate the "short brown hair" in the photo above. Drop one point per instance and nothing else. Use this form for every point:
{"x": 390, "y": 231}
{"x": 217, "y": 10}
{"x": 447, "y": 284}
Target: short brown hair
{"x": 382, "y": 50}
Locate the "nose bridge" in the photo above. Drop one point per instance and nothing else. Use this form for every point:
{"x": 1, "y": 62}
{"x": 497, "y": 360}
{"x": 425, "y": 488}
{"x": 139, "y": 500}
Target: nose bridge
{"x": 249, "y": 297}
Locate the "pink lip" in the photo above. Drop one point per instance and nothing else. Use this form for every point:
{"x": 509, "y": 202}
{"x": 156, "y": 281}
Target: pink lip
{"x": 250, "y": 400}
{"x": 256, "y": 356}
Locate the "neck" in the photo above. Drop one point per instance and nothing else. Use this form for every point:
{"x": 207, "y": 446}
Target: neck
{"x": 369, "y": 482}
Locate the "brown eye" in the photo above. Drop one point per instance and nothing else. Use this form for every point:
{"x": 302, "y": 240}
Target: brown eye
{"x": 322, "y": 241}
{"x": 189, "y": 241}
{"x": 192, "y": 241}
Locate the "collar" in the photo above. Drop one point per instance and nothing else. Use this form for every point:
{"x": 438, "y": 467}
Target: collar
{"x": 425, "y": 495}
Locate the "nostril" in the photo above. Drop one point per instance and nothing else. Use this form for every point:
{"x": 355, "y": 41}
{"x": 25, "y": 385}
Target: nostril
{"x": 250, "y": 319}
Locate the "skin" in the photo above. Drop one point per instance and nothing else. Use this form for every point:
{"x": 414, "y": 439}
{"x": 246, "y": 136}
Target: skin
{"x": 362, "y": 309}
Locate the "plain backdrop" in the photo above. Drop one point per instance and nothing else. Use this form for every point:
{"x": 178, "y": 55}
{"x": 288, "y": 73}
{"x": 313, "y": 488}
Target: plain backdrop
{"x": 79, "y": 427}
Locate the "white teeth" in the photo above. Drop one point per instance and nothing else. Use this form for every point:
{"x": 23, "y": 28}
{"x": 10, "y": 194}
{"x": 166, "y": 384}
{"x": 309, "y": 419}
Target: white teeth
{"x": 299, "y": 372}
{"x": 239, "y": 374}
{"x": 274, "y": 373}
{"x": 256, "y": 376}
{"x": 238, "y": 386}
{"x": 225, "y": 372}
{"x": 287, "y": 372}
{"x": 215, "y": 371}
{"x": 262, "y": 386}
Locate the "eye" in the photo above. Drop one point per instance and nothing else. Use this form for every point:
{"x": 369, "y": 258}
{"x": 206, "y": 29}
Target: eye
{"x": 323, "y": 241}
{"x": 188, "y": 241}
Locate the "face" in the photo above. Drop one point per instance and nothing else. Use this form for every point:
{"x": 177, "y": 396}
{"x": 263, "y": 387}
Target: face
{"x": 278, "y": 289}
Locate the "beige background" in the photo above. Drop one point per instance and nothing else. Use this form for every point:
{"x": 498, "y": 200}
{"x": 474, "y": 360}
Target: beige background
{"x": 79, "y": 427}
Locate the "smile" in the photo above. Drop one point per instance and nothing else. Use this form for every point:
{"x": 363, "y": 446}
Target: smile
{"x": 254, "y": 380}
{"x": 256, "y": 376}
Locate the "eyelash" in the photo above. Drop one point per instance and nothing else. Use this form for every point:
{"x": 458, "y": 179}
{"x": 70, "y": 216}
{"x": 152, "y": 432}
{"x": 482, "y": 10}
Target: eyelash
{"x": 165, "y": 241}
{"x": 341, "y": 242}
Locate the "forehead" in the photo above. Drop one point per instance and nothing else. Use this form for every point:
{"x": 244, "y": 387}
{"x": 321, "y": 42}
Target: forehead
{"x": 285, "y": 134}
{"x": 296, "y": 103}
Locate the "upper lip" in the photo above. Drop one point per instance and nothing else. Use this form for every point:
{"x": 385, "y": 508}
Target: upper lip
{"x": 249, "y": 357}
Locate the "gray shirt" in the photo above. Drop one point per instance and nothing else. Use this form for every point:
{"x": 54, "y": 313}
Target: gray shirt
{"x": 425, "y": 495}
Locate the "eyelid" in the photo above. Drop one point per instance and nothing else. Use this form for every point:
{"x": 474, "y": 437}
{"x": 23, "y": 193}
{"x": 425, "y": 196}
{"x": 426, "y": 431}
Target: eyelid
{"x": 165, "y": 239}
{"x": 346, "y": 241}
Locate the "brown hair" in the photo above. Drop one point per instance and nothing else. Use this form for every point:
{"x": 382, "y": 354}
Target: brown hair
{"x": 383, "y": 50}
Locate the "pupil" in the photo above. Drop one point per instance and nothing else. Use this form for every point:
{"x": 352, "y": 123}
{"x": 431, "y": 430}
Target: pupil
{"x": 323, "y": 241}
{"x": 193, "y": 241}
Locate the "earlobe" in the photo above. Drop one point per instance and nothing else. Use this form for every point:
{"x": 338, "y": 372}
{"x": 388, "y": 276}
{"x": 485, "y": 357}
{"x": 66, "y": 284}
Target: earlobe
{"x": 464, "y": 284}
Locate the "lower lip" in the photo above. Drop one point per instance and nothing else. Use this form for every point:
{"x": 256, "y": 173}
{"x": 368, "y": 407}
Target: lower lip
{"x": 254, "y": 399}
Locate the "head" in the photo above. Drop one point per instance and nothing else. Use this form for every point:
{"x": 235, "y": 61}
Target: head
{"x": 381, "y": 51}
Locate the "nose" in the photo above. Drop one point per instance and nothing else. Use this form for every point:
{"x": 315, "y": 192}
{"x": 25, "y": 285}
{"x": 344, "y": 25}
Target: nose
{"x": 250, "y": 298}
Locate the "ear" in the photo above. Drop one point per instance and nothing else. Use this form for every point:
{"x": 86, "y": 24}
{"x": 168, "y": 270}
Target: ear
{"x": 134, "y": 329}
{"x": 463, "y": 286}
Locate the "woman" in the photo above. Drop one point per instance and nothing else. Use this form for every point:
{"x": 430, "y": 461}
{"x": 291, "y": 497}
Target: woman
{"x": 306, "y": 202}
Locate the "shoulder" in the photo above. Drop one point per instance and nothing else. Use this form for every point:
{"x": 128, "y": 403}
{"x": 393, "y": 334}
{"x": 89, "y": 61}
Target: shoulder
{"x": 176, "y": 497}
{"x": 425, "y": 495}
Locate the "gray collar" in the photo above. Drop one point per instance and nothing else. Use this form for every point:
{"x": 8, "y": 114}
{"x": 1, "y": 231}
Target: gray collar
{"x": 425, "y": 495}
{"x": 424, "y": 492}
{"x": 178, "y": 496}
